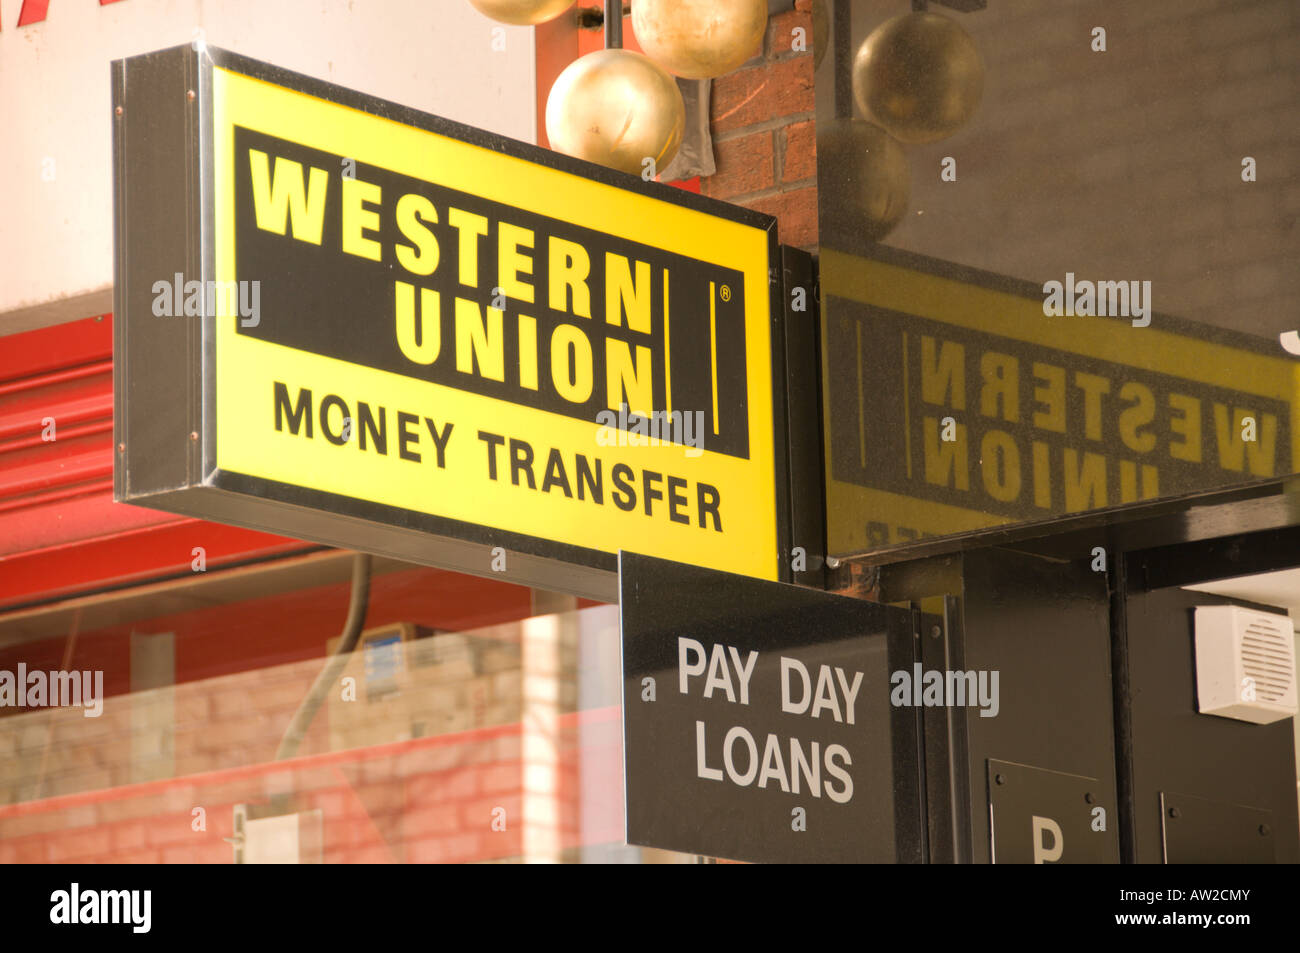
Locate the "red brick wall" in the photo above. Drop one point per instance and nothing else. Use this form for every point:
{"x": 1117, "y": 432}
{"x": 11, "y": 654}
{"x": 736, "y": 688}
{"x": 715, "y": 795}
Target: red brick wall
{"x": 429, "y": 800}
{"x": 762, "y": 119}
{"x": 762, "y": 122}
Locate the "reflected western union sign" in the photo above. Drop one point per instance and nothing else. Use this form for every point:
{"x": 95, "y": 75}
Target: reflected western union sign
{"x": 956, "y": 405}
{"x": 484, "y": 340}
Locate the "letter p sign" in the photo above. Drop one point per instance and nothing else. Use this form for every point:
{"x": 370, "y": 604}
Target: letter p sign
{"x": 1045, "y": 828}
{"x": 685, "y": 667}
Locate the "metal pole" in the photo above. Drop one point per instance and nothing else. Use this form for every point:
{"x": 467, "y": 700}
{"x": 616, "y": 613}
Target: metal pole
{"x": 842, "y": 56}
{"x": 613, "y": 24}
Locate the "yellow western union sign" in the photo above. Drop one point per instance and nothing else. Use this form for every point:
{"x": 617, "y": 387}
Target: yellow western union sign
{"x": 455, "y": 333}
{"x": 955, "y": 405}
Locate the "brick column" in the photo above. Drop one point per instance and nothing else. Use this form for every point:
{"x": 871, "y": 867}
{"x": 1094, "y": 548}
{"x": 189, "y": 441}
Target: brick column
{"x": 762, "y": 124}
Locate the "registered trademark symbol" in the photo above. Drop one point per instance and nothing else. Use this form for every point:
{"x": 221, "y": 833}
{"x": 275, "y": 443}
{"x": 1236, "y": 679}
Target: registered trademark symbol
{"x": 726, "y": 292}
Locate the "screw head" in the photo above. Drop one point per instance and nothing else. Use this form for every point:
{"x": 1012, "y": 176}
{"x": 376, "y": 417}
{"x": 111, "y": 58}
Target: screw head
{"x": 1265, "y": 830}
{"x": 935, "y": 631}
{"x": 1088, "y": 798}
{"x": 999, "y": 779}
{"x": 194, "y": 435}
{"x": 1174, "y": 812}
{"x": 121, "y": 448}
{"x": 189, "y": 94}
{"x": 117, "y": 111}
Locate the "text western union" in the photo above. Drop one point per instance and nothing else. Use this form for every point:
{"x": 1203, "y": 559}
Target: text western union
{"x": 1104, "y": 416}
{"x": 288, "y": 198}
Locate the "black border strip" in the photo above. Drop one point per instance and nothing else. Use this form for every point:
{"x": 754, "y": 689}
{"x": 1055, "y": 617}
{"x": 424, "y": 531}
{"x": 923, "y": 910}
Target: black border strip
{"x": 1121, "y": 694}
{"x": 1224, "y": 557}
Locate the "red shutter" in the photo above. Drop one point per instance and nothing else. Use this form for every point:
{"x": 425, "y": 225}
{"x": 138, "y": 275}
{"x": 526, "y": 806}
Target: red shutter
{"x": 60, "y": 531}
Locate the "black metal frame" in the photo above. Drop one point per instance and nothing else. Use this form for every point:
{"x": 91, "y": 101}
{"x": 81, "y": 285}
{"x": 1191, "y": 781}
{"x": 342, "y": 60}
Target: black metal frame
{"x": 802, "y": 374}
{"x": 979, "y": 610}
{"x": 1121, "y": 690}
{"x": 940, "y": 645}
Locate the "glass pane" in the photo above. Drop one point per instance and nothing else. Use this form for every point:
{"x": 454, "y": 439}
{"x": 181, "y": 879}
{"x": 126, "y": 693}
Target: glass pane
{"x": 463, "y": 728}
{"x": 1076, "y": 296}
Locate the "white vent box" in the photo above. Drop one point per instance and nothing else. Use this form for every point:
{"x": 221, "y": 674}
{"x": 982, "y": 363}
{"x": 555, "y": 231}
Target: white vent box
{"x": 1245, "y": 664}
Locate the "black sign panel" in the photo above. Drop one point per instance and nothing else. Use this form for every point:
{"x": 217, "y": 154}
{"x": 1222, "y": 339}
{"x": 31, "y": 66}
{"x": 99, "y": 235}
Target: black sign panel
{"x": 1200, "y": 831}
{"x": 453, "y": 258}
{"x": 1048, "y": 817}
{"x": 757, "y": 719}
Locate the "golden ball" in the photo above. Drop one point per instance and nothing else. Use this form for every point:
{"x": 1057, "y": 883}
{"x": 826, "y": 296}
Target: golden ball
{"x": 918, "y": 76}
{"x": 699, "y": 39}
{"x": 616, "y": 108}
{"x": 866, "y": 182}
{"x": 521, "y": 12}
